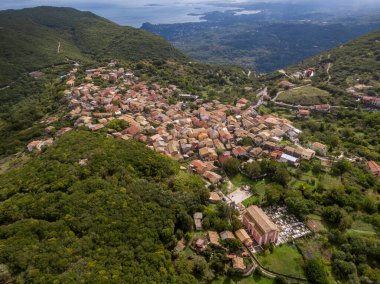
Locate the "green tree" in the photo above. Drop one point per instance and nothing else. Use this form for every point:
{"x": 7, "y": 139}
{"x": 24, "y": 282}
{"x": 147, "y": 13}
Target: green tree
{"x": 231, "y": 166}
{"x": 252, "y": 169}
{"x": 315, "y": 271}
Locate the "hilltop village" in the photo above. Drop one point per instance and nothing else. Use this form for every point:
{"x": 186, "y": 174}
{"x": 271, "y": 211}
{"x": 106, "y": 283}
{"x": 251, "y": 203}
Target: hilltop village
{"x": 202, "y": 135}
{"x": 182, "y": 126}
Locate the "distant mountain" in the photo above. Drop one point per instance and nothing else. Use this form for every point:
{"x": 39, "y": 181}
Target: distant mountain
{"x": 39, "y": 37}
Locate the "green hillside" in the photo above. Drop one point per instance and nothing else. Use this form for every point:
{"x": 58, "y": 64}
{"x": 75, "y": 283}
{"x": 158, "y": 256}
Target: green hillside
{"x": 357, "y": 62}
{"x": 111, "y": 221}
{"x": 29, "y": 40}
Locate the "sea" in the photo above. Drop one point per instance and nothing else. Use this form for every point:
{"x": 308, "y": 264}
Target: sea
{"x": 135, "y": 12}
{"x": 135, "y": 16}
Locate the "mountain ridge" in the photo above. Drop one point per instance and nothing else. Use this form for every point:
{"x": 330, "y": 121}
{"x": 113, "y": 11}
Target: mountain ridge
{"x": 34, "y": 38}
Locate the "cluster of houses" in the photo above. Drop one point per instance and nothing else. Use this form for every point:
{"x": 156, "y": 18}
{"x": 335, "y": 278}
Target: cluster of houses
{"x": 214, "y": 240}
{"x": 187, "y": 128}
{"x": 38, "y": 145}
{"x": 274, "y": 225}
{"x": 369, "y": 101}
{"x": 257, "y": 224}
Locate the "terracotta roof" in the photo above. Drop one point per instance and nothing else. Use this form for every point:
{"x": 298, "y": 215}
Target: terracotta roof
{"x": 260, "y": 218}
{"x": 214, "y": 196}
{"x": 238, "y": 263}
{"x": 213, "y": 237}
{"x": 242, "y": 235}
{"x": 374, "y": 167}
{"x": 227, "y": 235}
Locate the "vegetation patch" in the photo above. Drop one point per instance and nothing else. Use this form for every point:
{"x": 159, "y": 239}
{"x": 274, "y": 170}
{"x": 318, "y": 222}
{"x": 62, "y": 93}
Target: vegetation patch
{"x": 253, "y": 279}
{"x": 305, "y": 95}
{"x": 284, "y": 259}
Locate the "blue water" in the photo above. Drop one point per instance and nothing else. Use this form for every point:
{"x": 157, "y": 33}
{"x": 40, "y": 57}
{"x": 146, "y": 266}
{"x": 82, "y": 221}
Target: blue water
{"x": 132, "y": 12}
{"x": 164, "y": 14}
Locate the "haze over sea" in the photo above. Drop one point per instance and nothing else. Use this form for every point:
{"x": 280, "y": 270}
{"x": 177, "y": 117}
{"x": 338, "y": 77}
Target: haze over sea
{"x": 133, "y": 13}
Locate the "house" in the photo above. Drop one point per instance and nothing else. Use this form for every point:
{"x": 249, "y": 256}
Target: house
{"x": 241, "y": 103}
{"x": 239, "y": 152}
{"x": 371, "y": 101}
{"x": 286, "y": 84}
{"x": 199, "y": 166}
{"x": 320, "y": 148}
{"x": 63, "y": 131}
{"x": 274, "y": 155}
{"x": 243, "y": 236}
{"x": 374, "y": 168}
{"x": 291, "y": 160}
{"x": 212, "y": 177}
{"x": 289, "y": 150}
{"x": 256, "y": 151}
{"x": 213, "y": 237}
{"x": 306, "y": 154}
{"x": 227, "y": 235}
{"x": 208, "y": 154}
{"x": 238, "y": 264}
{"x": 200, "y": 244}
{"x": 259, "y": 225}
{"x": 214, "y": 197}
{"x": 198, "y": 216}
{"x": 270, "y": 145}
{"x": 224, "y": 157}
{"x": 309, "y": 72}
{"x": 322, "y": 108}
{"x": 33, "y": 145}
{"x": 303, "y": 113}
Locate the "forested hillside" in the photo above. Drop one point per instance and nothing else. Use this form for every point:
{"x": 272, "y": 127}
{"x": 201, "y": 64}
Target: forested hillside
{"x": 40, "y": 37}
{"x": 93, "y": 209}
{"x": 113, "y": 220}
{"x": 356, "y": 62}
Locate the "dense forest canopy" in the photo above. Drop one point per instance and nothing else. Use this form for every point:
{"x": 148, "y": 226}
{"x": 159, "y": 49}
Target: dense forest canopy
{"x": 113, "y": 220}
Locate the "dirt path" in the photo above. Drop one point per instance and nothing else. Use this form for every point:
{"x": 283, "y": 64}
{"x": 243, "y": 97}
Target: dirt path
{"x": 329, "y": 65}
{"x": 59, "y": 47}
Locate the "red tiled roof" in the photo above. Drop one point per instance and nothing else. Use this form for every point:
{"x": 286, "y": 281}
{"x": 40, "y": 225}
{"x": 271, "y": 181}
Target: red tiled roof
{"x": 374, "y": 167}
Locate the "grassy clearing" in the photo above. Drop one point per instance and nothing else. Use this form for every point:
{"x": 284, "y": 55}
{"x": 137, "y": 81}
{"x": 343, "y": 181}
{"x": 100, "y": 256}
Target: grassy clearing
{"x": 362, "y": 228}
{"x": 314, "y": 217}
{"x": 253, "y": 200}
{"x": 315, "y": 247}
{"x": 240, "y": 180}
{"x": 284, "y": 259}
{"x": 306, "y": 95}
{"x": 259, "y": 189}
{"x": 330, "y": 182}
